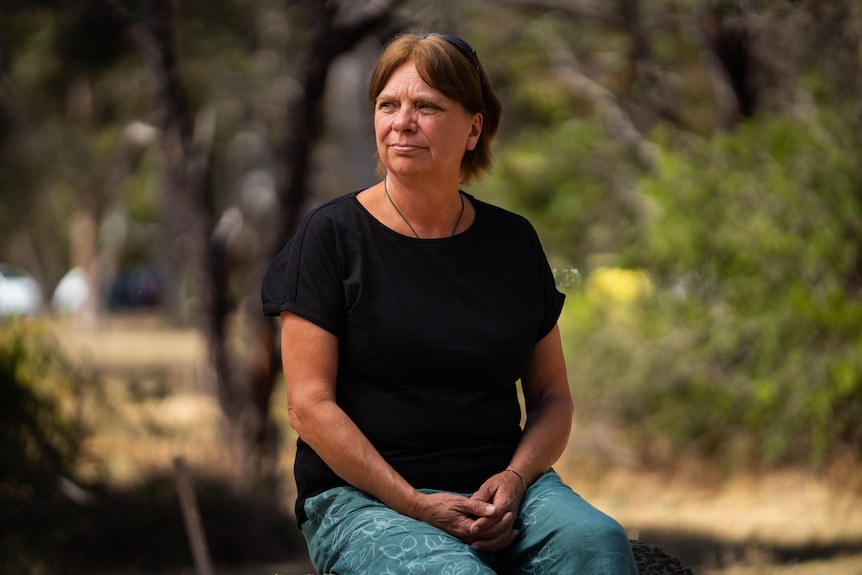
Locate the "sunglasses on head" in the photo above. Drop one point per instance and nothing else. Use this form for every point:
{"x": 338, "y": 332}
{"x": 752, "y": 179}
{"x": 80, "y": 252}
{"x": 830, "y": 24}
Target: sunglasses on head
{"x": 462, "y": 46}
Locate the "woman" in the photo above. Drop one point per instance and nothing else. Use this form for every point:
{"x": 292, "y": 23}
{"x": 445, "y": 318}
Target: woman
{"x": 409, "y": 310}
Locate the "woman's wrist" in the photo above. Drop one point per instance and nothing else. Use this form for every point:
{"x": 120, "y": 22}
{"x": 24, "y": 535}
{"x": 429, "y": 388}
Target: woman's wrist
{"x": 519, "y": 476}
{"x": 413, "y": 505}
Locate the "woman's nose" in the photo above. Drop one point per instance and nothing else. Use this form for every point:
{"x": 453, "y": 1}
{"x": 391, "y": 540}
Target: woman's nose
{"x": 405, "y": 119}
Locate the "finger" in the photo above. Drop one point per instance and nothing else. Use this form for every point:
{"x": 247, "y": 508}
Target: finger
{"x": 488, "y": 528}
{"x": 479, "y": 508}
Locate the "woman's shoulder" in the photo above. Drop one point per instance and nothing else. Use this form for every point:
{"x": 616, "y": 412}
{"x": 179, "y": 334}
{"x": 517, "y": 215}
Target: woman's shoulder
{"x": 335, "y": 213}
{"x": 334, "y": 207}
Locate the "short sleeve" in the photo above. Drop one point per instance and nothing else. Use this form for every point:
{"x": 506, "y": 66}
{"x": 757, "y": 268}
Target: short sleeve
{"x": 553, "y": 299}
{"x": 305, "y": 277}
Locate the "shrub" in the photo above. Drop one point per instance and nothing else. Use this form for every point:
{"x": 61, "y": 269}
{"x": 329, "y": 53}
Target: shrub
{"x": 40, "y": 441}
{"x": 752, "y": 338}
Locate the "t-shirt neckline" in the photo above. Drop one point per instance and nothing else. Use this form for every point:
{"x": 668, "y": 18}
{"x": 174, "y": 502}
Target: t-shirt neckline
{"x": 389, "y": 231}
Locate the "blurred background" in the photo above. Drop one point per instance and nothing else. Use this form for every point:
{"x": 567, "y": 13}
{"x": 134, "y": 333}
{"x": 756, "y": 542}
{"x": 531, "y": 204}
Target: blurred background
{"x": 692, "y": 167}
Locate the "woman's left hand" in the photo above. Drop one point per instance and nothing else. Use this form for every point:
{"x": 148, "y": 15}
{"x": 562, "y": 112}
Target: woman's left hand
{"x": 505, "y": 492}
{"x": 548, "y": 403}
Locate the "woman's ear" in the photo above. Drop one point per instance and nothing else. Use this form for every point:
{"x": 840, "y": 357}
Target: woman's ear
{"x": 475, "y": 132}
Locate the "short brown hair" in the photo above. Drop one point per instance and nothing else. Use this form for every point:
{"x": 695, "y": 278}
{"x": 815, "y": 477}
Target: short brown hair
{"x": 445, "y": 67}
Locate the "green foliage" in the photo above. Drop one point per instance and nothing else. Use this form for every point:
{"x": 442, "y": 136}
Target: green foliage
{"x": 749, "y": 347}
{"x": 572, "y": 183}
{"x": 39, "y": 440}
{"x": 745, "y": 345}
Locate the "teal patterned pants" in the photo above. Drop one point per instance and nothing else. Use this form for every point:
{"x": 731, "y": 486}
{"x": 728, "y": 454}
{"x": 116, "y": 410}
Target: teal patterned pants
{"x": 351, "y": 533}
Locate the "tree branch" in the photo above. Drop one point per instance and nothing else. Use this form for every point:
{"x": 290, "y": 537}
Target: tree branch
{"x": 615, "y": 119}
{"x": 331, "y": 36}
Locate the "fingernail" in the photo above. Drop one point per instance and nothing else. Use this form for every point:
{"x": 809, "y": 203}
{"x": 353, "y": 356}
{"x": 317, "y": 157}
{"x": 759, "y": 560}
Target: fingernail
{"x": 490, "y": 509}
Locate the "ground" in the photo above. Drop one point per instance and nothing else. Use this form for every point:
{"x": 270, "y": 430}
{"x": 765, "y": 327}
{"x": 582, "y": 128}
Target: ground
{"x": 149, "y": 403}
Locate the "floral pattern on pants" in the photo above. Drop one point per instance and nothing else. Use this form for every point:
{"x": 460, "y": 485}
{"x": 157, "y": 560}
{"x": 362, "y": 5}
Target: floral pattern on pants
{"x": 351, "y": 533}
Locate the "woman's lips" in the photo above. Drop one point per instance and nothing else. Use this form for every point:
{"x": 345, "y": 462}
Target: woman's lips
{"x": 404, "y": 148}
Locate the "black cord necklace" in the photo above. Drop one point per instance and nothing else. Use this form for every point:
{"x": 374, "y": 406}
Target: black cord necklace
{"x": 406, "y": 221}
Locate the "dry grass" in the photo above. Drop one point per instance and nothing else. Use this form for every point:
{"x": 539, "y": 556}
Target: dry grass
{"x": 743, "y": 525}
{"x": 151, "y": 404}
{"x": 154, "y": 404}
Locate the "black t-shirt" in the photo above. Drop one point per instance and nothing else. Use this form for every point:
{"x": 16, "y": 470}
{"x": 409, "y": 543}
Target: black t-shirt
{"x": 433, "y": 335}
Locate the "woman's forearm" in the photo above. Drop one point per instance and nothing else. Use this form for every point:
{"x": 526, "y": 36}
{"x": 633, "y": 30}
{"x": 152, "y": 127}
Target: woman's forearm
{"x": 349, "y": 453}
{"x": 310, "y": 357}
{"x": 549, "y": 410}
{"x": 546, "y": 434}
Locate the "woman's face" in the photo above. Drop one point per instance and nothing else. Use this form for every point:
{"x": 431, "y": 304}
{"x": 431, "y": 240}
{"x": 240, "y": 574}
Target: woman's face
{"x": 419, "y": 130}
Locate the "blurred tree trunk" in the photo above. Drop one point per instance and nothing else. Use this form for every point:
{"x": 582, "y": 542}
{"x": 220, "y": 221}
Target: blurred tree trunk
{"x": 330, "y": 36}
{"x": 189, "y": 216}
{"x": 188, "y": 204}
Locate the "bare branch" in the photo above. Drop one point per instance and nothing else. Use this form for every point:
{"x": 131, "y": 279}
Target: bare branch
{"x": 615, "y": 119}
{"x": 622, "y": 16}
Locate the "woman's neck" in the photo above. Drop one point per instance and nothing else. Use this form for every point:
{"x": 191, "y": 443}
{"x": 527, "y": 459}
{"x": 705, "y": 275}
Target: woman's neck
{"x": 427, "y": 210}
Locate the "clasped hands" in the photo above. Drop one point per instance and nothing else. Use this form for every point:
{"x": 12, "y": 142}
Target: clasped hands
{"x": 485, "y": 521}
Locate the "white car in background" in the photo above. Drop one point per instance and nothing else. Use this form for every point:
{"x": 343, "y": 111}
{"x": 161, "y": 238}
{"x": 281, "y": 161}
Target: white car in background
{"x": 20, "y": 294}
